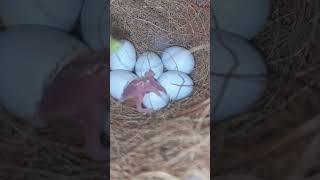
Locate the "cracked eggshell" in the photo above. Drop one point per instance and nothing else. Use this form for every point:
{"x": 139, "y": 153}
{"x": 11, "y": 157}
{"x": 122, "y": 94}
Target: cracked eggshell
{"x": 94, "y": 23}
{"x": 178, "y": 59}
{"x": 178, "y": 85}
{"x": 245, "y": 17}
{"x": 153, "y": 101}
{"x": 31, "y": 57}
{"x": 124, "y": 58}
{"x": 60, "y": 14}
{"x": 149, "y": 61}
{"x": 119, "y": 79}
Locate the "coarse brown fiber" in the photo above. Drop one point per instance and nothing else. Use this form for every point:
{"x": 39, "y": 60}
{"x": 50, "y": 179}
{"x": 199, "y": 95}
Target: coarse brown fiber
{"x": 174, "y": 142}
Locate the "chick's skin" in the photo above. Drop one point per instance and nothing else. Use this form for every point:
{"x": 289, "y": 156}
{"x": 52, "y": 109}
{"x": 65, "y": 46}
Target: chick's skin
{"x": 136, "y": 90}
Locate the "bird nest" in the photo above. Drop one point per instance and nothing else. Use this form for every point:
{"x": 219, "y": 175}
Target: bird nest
{"x": 156, "y": 25}
{"x": 174, "y": 142}
{"x": 277, "y": 138}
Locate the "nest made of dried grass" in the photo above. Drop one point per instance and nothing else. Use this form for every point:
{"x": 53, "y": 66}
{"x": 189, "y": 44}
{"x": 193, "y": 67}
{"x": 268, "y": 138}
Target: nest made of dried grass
{"x": 155, "y": 25}
{"x": 174, "y": 142}
{"x": 177, "y": 148}
{"x": 270, "y": 140}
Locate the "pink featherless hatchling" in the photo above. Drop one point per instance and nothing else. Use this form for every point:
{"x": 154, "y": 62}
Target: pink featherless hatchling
{"x": 135, "y": 91}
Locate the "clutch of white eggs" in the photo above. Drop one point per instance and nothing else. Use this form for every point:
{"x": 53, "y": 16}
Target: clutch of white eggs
{"x": 171, "y": 69}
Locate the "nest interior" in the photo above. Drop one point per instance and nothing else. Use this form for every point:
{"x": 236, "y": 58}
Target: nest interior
{"x": 276, "y": 138}
{"x": 164, "y": 144}
{"x": 156, "y": 25}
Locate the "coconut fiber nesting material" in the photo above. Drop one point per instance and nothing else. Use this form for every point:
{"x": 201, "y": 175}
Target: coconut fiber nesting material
{"x": 270, "y": 140}
{"x": 166, "y": 150}
{"x": 165, "y": 144}
{"x": 156, "y": 25}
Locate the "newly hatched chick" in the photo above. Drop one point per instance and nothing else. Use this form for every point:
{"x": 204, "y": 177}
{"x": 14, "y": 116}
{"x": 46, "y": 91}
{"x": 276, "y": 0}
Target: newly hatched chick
{"x": 135, "y": 91}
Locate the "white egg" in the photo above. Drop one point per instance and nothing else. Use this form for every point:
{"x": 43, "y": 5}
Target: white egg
{"x": 178, "y": 58}
{"x": 94, "y": 23}
{"x": 124, "y": 58}
{"x": 245, "y": 17}
{"x": 31, "y": 57}
{"x": 149, "y": 61}
{"x": 178, "y": 85}
{"x": 60, "y": 14}
{"x": 236, "y": 94}
{"x": 119, "y": 79}
{"x": 155, "y": 102}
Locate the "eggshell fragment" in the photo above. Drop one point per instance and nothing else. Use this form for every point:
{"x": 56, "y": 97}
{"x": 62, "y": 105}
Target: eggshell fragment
{"x": 124, "y": 58}
{"x": 155, "y": 102}
{"x": 236, "y": 94}
{"x": 178, "y": 59}
{"x": 149, "y": 61}
{"x": 119, "y": 79}
{"x": 245, "y": 17}
{"x": 178, "y": 85}
{"x": 60, "y": 14}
